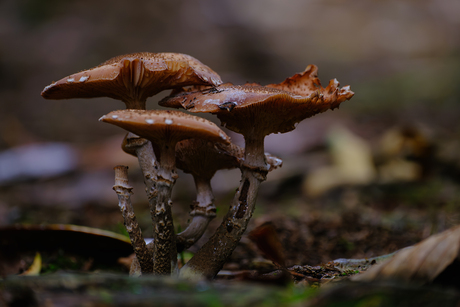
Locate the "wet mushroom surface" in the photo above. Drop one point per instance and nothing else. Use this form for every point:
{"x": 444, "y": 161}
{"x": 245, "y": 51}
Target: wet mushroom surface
{"x": 133, "y": 78}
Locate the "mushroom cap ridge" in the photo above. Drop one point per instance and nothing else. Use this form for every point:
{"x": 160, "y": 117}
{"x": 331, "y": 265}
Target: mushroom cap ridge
{"x": 136, "y": 75}
{"x": 166, "y": 126}
{"x": 242, "y": 108}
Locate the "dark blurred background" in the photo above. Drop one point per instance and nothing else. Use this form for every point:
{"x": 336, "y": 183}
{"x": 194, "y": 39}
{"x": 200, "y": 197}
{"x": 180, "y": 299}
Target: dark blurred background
{"x": 392, "y": 148}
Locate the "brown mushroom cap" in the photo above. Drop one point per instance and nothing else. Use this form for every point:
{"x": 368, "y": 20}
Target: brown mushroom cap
{"x": 203, "y": 158}
{"x": 165, "y": 126}
{"x": 133, "y": 78}
{"x": 272, "y": 109}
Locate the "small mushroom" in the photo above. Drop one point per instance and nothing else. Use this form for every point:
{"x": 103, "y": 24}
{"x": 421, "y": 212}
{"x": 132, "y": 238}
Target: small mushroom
{"x": 133, "y": 78}
{"x": 164, "y": 129}
{"x": 202, "y": 159}
{"x": 254, "y": 111}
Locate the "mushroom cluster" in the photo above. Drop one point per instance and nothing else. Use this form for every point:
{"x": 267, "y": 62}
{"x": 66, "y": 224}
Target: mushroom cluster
{"x": 164, "y": 140}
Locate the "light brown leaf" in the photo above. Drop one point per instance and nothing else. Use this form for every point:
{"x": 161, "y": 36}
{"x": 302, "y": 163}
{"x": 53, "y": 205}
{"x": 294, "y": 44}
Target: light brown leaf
{"x": 421, "y": 263}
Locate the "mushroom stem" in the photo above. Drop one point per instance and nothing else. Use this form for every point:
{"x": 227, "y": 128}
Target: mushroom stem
{"x": 165, "y": 250}
{"x": 209, "y": 260}
{"x": 138, "y": 104}
{"x": 143, "y": 150}
{"x": 203, "y": 211}
{"x": 254, "y": 154}
{"x": 124, "y": 191}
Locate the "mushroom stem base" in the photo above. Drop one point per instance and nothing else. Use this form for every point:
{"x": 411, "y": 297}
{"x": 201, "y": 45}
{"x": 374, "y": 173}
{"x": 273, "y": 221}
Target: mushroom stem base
{"x": 209, "y": 260}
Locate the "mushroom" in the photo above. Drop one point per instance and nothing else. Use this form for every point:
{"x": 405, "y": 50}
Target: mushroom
{"x": 202, "y": 159}
{"x": 165, "y": 129}
{"x": 254, "y": 111}
{"x": 132, "y": 78}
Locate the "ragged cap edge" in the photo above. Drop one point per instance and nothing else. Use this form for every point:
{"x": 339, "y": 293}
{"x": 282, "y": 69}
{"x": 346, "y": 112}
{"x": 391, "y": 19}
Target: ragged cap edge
{"x": 300, "y": 93}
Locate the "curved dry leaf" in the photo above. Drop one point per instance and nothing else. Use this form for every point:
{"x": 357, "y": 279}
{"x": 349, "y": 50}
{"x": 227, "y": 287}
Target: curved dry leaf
{"x": 17, "y": 242}
{"x": 35, "y": 267}
{"x": 80, "y": 240}
{"x": 421, "y": 263}
{"x": 266, "y": 239}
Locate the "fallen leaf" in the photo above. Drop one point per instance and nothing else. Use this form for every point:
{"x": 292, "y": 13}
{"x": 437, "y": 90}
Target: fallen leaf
{"x": 19, "y": 242}
{"x": 420, "y": 264}
{"x": 266, "y": 239}
{"x": 352, "y": 164}
{"x": 35, "y": 267}
{"x": 78, "y": 239}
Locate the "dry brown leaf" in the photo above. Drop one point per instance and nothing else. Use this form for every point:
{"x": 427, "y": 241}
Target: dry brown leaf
{"x": 266, "y": 239}
{"x": 421, "y": 263}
